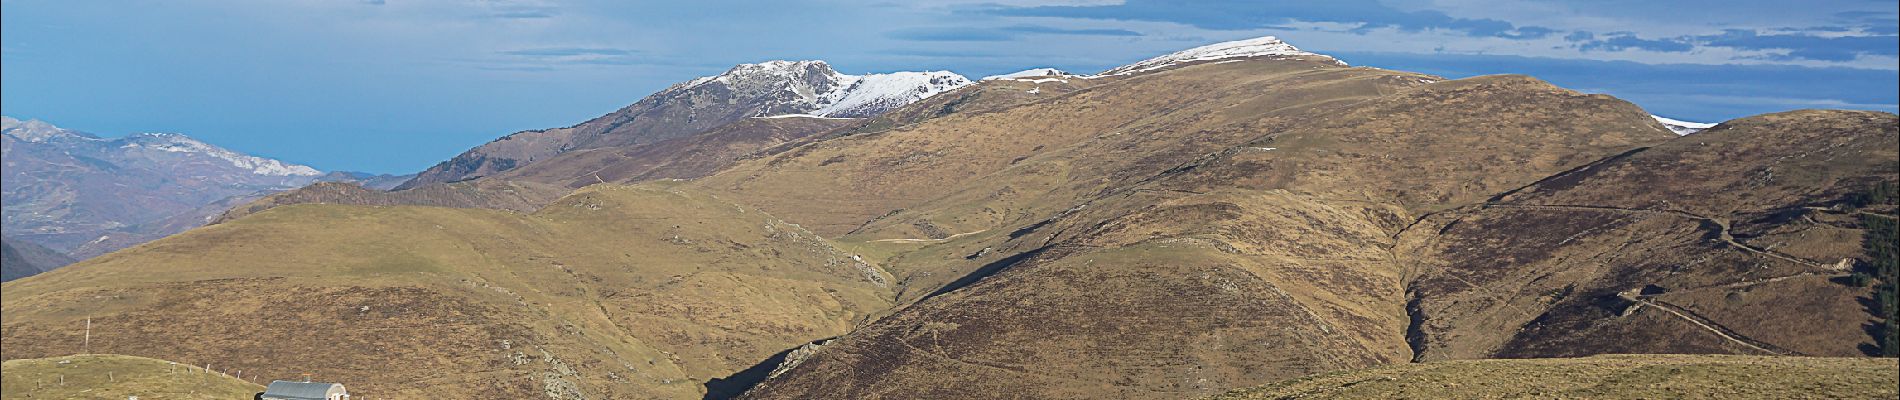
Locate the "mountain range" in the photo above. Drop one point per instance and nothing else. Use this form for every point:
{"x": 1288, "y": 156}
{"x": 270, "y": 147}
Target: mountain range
{"x": 1242, "y": 217}
{"x": 83, "y": 195}
{"x": 771, "y": 88}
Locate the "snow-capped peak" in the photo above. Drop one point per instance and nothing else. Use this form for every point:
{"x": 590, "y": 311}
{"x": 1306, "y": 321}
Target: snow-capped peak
{"x": 868, "y": 95}
{"x": 1265, "y": 46}
{"x": 1030, "y": 74}
{"x": 179, "y": 143}
{"x": 1681, "y": 127}
{"x": 37, "y": 131}
{"x": 784, "y": 116}
{"x": 818, "y": 90}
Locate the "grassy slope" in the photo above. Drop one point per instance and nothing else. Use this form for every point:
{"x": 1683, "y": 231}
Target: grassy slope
{"x": 913, "y": 191}
{"x": 614, "y": 291}
{"x": 116, "y": 377}
{"x": 1734, "y": 229}
{"x": 680, "y": 158}
{"x": 1602, "y": 377}
{"x": 490, "y": 194}
{"x": 1264, "y": 260}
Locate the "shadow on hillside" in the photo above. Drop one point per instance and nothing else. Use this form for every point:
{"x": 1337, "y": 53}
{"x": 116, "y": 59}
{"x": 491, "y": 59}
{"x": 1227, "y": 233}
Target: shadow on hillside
{"x": 985, "y": 271}
{"x": 732, "y": 386}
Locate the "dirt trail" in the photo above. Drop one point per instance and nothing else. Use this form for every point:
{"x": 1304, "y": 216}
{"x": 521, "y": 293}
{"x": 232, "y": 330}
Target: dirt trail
{"x": 1717, "y": 328}
{"x": 1722, "y": 232}
{"x": 944, "y": 239}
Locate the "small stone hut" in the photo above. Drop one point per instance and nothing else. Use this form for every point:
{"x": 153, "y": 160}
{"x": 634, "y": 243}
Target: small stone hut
{"x": 291, "y": 390}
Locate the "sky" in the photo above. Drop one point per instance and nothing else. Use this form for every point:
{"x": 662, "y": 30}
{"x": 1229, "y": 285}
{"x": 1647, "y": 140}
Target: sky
{"x": 394, "y": 86}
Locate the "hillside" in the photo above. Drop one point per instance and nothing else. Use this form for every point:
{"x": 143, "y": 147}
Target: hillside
{"x": 611, "y": 292}
{"x": 84, "y": 195}
{"x": 697, "y": 155}
{"x": 765, "y": 89}
{"x": 1225, "y": 217}
{"x": 1602, "y": 377}
{"x": 1266, "y": 259}
{"x": 836, "y": 186}
{"x": 687, "y": 157}
{"x": 1737, "y": 246}
{"x": 117, "y": 377}
{"x": 494, "y": 195}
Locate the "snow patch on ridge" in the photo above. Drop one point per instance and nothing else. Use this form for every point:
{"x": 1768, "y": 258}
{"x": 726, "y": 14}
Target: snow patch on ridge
{"x": 1680, "y": 127}
{"x": 1265, "y": 46}
{"x": 37, "y": 131}
{"x": 1031, "y": 74}
{"x": 781, "y": 116}
{"x": 872, "y": 94}
{"x": 818, "y": 90}
{"x": 178, "y": 143}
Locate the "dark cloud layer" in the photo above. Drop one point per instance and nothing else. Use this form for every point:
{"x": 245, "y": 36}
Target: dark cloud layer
{"x": 1809, "y": 44}
{"x": 1243, "y": 15}
{"x": 1860, "y": 33}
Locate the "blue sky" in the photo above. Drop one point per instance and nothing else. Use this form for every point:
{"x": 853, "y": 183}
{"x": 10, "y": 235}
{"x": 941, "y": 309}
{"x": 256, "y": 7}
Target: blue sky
{"x": 398, "y": 85}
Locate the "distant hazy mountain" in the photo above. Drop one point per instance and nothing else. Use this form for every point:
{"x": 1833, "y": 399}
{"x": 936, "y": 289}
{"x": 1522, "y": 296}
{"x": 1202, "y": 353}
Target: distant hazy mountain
{"x": 749, "y": 90}
{"x": 84, "y": 195}
{"x": 21, "y": 259}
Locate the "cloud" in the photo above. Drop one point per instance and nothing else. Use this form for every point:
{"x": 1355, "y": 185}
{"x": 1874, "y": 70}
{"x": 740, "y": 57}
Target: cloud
{"x": 1035, "y": 29}
{"x": 1618, "y": 41}
{"x": 1788, "y": 44}
{"x": 568, "y": 52}
{"x": 544, "y": 56}
{"x": 948, "y": 54}
{"x": 1528, "y": 32}
{"x": 508, "y": 9}
{"x": 1246, "y": 15}
{"x": 1806, "y": 46}
{"x": 972, "y": 34}
{"x": 949, "y": 35}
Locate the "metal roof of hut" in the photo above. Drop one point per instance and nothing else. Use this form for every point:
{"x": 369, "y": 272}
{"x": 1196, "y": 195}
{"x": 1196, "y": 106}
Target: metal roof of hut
{"x": 290, "y": 390}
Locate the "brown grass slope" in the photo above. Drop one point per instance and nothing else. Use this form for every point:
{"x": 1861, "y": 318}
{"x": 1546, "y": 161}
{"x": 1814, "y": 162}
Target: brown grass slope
{"x": 1724, "y": 241}
{"x": 496, "y": 195}
{"x": 117, "y": 377}
{"x": 1602, "y": 377}
{"x": 686, "y": 157}
{"x": 613, "y": 292}
{"x": 1261, "y": 262}
{"x": 836, "y": 186}
{"x": 977, "y": 174}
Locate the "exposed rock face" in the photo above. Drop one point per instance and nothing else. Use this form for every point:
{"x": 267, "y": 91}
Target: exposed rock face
{"x": 748, "y": 90}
